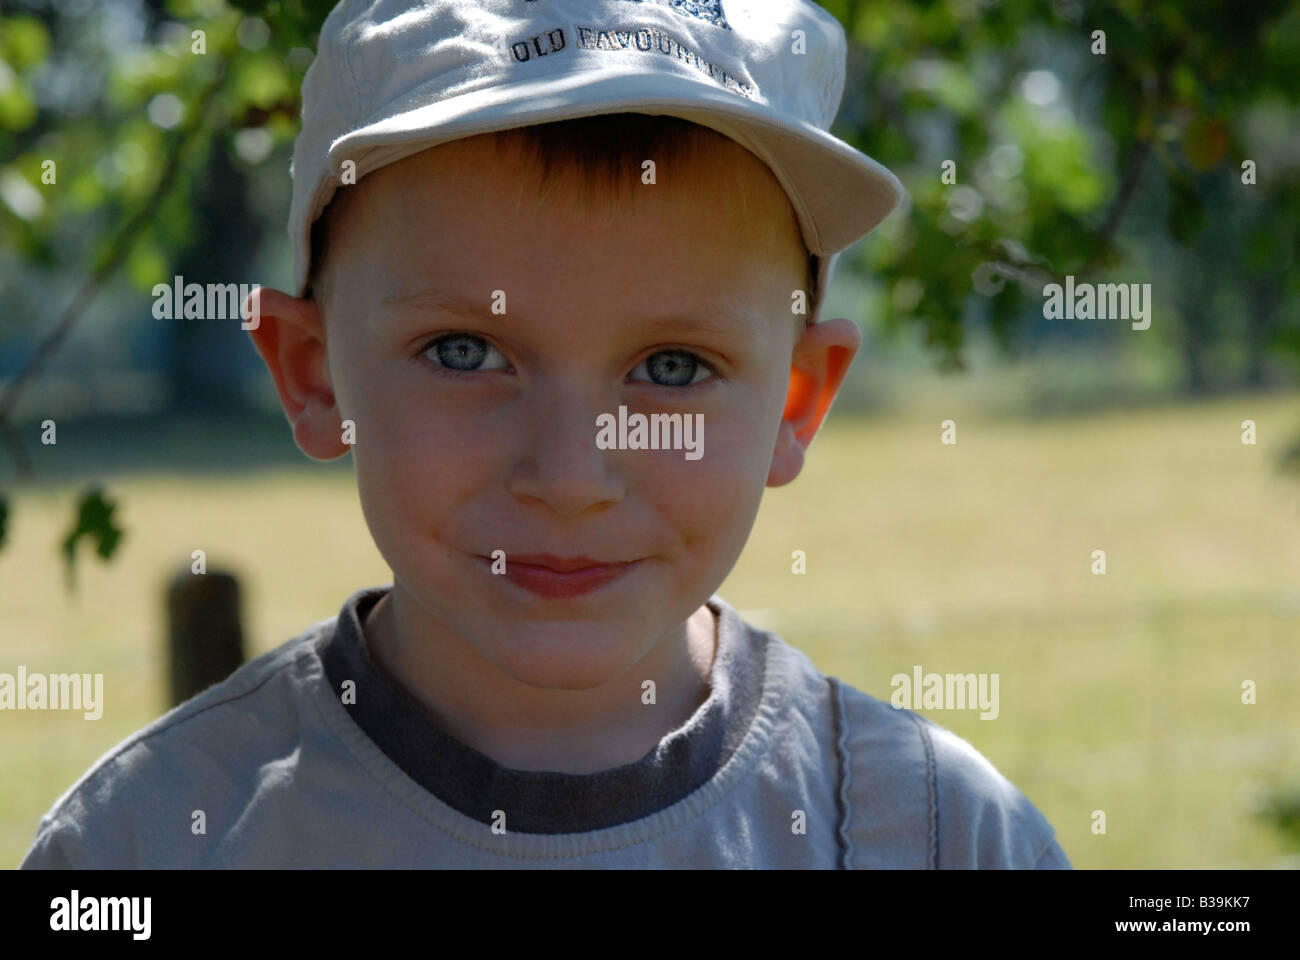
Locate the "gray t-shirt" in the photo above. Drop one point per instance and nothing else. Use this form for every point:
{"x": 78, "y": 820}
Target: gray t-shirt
{"x": 781, "y": 767}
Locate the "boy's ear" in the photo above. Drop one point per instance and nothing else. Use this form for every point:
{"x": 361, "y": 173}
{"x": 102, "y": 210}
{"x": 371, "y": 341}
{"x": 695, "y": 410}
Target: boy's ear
{"x": 820, "y": 361}
{"x": 290, "y": 336}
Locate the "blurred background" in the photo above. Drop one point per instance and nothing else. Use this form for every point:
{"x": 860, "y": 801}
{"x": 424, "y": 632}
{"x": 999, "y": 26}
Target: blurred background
{"x": 1130, "y": 142}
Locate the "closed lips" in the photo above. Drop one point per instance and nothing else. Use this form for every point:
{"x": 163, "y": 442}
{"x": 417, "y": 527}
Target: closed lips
{"x": 561, "y": 564}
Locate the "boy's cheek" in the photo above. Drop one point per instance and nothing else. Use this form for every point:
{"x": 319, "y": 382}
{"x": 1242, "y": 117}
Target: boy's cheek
{"x": 708, "y": 492}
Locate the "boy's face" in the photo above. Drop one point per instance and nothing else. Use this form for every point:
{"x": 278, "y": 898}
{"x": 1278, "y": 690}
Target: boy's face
{"x": 487, "y": 440}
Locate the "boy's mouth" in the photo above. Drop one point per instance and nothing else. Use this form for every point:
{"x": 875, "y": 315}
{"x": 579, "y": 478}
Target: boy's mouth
{"x": 561, "y": 577}
{"x": 560, "y": 564}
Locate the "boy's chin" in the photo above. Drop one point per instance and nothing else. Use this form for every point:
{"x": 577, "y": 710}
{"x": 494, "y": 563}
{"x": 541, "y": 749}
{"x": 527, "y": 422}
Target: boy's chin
{"x": 564, "y": 656}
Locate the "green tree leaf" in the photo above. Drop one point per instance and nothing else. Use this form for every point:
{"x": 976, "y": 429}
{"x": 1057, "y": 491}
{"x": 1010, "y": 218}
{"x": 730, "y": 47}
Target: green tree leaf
{"x": 94, "y": 520}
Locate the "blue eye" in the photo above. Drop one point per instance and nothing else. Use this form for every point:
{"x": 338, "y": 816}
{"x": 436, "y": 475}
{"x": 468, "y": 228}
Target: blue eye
{"x": 465, "y": 353}
{"x": 674, "y": 368}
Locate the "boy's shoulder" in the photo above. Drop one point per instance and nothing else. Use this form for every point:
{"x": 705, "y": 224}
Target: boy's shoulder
{"x": 259, "y": 707}
{"x": 906, "y": 778}
{"x": 911, "y": 793}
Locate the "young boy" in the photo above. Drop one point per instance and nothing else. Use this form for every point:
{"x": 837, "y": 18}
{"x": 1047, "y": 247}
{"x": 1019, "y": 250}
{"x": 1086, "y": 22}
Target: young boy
{"x": 559, "y": 267}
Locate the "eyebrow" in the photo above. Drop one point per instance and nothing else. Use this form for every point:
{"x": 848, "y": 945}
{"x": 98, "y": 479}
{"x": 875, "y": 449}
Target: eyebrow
{"x": 723, "y": 317}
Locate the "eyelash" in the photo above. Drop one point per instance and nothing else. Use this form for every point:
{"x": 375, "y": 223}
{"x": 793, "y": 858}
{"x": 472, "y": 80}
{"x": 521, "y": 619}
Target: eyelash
{"x": 716, "y": 376}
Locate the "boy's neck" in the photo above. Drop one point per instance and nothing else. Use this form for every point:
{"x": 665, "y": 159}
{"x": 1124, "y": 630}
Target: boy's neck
{"x": 529, "y": 728}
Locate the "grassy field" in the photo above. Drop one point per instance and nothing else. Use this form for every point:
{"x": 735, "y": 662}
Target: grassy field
{"x": 1119, "y": 693}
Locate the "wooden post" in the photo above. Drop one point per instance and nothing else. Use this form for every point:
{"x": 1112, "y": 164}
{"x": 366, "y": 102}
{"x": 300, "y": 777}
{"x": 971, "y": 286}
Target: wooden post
{"x": 205, "y": 636}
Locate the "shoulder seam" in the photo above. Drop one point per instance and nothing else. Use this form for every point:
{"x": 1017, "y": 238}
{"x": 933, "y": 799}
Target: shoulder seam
{"x": 843, "y": 796}
{"x": 931, "y": 787}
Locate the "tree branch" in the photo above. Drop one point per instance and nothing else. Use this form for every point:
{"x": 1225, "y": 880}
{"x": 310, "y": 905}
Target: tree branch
{"x": 1127, "y": 188}
{"x": 1133, "y": 169}
{"x": 112, "y": 260}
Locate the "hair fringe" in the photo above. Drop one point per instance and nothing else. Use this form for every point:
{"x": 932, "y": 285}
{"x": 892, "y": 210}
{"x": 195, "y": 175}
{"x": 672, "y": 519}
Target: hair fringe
{"x": 599, "y": 150}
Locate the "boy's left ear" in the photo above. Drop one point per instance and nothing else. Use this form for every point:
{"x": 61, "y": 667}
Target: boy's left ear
{"x": 821, "y": 359}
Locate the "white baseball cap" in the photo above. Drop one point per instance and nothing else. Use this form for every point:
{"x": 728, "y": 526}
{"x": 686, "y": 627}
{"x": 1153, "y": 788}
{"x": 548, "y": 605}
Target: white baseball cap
{"x": 394, "y": 77}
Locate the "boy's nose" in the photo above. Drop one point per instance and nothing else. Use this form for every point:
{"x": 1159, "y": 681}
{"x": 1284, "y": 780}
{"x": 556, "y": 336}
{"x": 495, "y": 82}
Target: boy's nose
{"x": 558, "y": 462}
